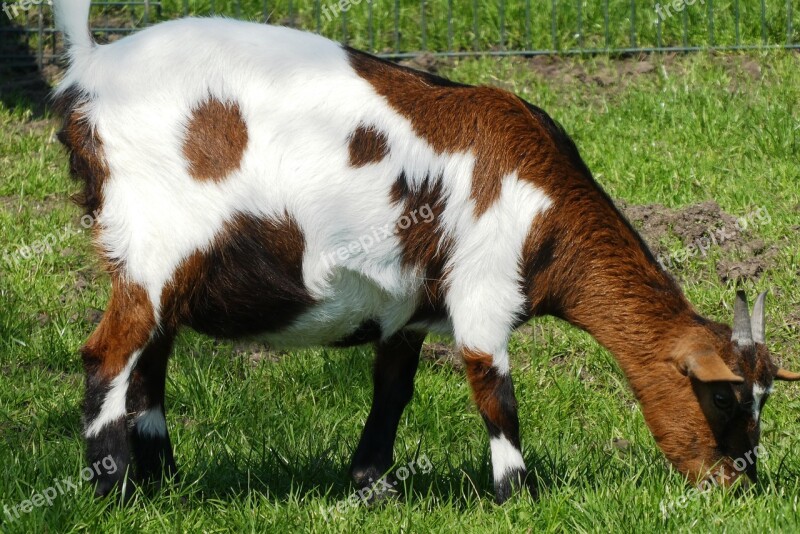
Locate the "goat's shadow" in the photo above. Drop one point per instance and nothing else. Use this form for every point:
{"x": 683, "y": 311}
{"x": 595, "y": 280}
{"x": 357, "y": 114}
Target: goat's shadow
{"x": 451, "y": 485}
{"x": 25, "y": 43}
{"x": 281, "y": 475}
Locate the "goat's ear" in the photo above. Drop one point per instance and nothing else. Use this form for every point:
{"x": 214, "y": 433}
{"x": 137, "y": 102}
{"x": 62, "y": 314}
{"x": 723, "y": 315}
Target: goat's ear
{"x": 706, "y": 367}
{"x": 788, "y": 376}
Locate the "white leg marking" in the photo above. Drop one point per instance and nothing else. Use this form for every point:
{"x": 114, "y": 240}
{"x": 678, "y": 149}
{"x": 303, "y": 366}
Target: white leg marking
{"x": 505, "y": 457}
{"x": 151, "y": 423}
{"x": 114, "y": 402}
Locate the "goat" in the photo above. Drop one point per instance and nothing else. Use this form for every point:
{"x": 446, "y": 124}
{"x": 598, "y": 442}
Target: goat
{"x": 251, "y": 180}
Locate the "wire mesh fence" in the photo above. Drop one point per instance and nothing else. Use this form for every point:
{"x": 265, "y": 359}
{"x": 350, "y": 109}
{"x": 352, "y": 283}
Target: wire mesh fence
{"x": 402, "y": 28}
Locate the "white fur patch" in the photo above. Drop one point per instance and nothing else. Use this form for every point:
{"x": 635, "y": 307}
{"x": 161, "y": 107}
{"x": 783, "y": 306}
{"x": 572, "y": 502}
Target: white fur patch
{"x": 151, "y": 423}
{"x": 484, "y": 298}
{"x": 301, "y": 101}
{"x": 505, "y": 457}
{"x": 114, "y": 402}
{"x": 758, "y": 394}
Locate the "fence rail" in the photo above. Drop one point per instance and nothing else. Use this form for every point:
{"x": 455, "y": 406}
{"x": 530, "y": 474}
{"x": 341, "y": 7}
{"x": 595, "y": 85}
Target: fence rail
{"x": 402, "y": 28}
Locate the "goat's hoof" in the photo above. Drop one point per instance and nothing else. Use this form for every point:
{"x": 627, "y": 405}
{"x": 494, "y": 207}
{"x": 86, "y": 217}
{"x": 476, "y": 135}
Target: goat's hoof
{"x": 514, "y": 483}
{"x": 375, "y": 487}
{"x": 105, "y": 487}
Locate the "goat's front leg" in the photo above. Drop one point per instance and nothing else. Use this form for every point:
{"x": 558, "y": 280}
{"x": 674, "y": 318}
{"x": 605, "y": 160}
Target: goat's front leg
{"x": 109, "y": 358}
{"x": 147, "y": 424}
{"x": 393, "y": 386}
{"x": 493, "y": 393}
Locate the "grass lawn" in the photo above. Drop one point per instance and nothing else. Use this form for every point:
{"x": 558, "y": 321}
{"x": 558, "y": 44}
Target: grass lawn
{"x": 400, "y": 26}
{"x": 264, "y": 439}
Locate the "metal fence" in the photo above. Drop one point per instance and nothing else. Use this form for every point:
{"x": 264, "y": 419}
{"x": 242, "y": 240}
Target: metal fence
{"x": 403, "y": 28}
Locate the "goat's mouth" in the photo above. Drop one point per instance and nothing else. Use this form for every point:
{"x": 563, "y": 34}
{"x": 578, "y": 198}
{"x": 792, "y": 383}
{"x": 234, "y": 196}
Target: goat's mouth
{"x": 730, "y": 473}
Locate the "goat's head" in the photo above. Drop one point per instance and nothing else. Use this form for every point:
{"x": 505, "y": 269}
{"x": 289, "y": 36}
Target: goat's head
{"x": 709, "y": 425}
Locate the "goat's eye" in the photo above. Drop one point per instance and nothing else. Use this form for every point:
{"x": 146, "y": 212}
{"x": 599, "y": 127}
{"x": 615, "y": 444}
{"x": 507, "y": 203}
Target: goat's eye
{"x": 723, "y": 401}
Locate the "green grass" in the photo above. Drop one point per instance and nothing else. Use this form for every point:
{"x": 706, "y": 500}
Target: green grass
{"x": 265, "y": 446}
{"x": 515, "y": 24}
{"x": 415, "y": 25}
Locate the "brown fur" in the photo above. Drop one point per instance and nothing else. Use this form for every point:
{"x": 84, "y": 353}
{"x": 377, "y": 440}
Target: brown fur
{"x": 249, "y": 281}
{"x": 483, "y": 378}
{"x": 491, "y": 123}
{"x": 424, "y": 244}
{"x": 216, "y": 138}
{"x": 367, "y": 145}
{"x": 493, "y": 395}
{"x": 126, "y": 327}
{"x": 85, "y": 147}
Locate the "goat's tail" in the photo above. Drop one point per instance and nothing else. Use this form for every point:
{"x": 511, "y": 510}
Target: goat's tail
{"x": 72, "y": 18}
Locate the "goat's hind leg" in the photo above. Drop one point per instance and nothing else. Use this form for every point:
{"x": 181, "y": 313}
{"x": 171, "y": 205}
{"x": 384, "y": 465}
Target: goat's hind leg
{"x": 147, "y": 424}
{"x": 109, "y": 358}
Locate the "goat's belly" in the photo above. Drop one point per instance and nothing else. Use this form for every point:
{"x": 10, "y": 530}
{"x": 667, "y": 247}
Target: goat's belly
{"x": 355, "y": 310}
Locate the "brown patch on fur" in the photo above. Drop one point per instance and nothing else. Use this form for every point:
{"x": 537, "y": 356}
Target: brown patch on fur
{"x": 367, "y": 145}
{"x": 493, "y": 394}
{"x": 126, "y": 327}
{"x": 249, "y": 281}
{"x": 424, "y": 243}
{"x": 491, "y": 123}
{"x": 85, "y": 148}
{"x": 754, "y": 363}
{"x": 484, "y": 380}
{"x": 216, "y": 138}
{"x": 582, "y": 261}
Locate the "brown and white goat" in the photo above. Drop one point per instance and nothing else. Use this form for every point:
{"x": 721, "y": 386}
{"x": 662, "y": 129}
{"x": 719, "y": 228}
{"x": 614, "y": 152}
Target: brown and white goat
{"x": 251, "y": 180}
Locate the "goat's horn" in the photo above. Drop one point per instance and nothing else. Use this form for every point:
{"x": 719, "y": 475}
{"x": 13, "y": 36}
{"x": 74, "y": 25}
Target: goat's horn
{"x": 757, "y": 323}
{"x": 742, "y": 333}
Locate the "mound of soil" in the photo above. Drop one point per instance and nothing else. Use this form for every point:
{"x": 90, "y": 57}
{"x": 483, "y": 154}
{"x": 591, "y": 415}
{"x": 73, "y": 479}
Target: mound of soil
{"x": 701, "y": 228}
{"x": 442, "y": 354}
{"x": 256, "y": 353}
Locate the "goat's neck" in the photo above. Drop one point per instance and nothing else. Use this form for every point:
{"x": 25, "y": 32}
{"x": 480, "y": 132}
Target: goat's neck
{"x": 616, "y": 291}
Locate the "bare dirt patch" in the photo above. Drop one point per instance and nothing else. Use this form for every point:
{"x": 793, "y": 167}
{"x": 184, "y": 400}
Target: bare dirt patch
{"x": 701, "y": 228}
{"x": 255, "y": 353}
{"x": 442, "y": 354}
{"x": 567, "y": 71}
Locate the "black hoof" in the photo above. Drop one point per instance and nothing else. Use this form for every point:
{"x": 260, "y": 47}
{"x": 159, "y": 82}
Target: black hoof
{"x": 374, "y": 486}
{"x": 512, "y": 483}
{"x": 106, "y": 486}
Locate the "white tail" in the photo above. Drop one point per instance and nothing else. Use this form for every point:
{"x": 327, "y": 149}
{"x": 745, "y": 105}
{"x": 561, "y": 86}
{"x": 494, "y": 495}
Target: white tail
{"x": 72, "y": 18}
